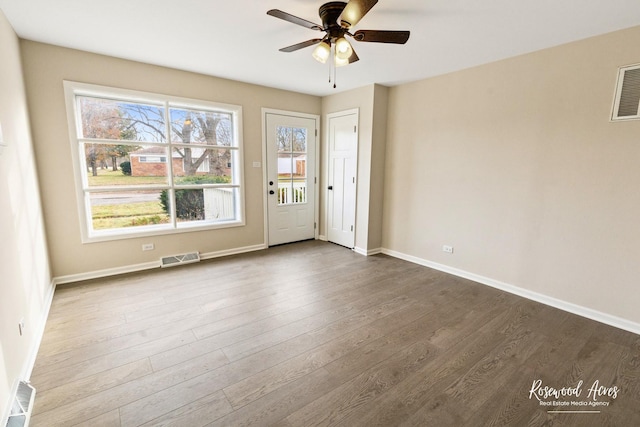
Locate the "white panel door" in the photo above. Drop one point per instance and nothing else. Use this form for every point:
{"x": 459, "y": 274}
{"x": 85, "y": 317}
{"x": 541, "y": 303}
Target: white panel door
{"x": 291, "y": 177}
{"x": 341, "y": 194}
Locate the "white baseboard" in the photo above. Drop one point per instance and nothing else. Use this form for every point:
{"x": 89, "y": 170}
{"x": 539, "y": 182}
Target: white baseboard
{"x": 234, "y": 251}
{"x": 98, "y": 274}
{"x": 30, "y": 361}
{"x": 42, "y": 323}
{"x": 589, "y": 313}
{"x": 72, "y": 278}
{"x": 323, "y": 238}
{"x": 367, "y": 252}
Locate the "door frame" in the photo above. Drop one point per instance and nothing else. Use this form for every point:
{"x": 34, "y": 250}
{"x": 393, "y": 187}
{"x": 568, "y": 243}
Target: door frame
{"x": 325, "y": 171}
{"x": 265, "y": 171}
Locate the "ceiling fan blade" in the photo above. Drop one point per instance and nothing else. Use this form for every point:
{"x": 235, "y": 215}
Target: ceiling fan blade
{"x": 354, "y": 11}
{"x": 354, "y": 57}
{"x": 302, "y": 45}
{"x": 294, "y": 19}
{"x": 381, "y": 36}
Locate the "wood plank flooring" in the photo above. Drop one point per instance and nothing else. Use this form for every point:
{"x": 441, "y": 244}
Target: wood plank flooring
{"x": 314, "y": 334}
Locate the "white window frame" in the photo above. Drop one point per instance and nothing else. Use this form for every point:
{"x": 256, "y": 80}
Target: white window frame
{"x": 88, "y": 235}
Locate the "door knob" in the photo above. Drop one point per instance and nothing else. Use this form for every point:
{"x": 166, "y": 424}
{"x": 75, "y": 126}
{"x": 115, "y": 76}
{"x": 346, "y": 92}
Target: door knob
{"x": 272, "y": 192}
{"x": 270, "y": 182}
{"x": 330, "y": 187}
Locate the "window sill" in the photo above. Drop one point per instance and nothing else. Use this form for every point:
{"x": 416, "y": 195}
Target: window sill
{"x": 154, "y": 230}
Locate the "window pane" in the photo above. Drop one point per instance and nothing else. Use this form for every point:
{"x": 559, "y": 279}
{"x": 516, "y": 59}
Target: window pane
{"x": 120, "y": 120}
{"x": 201, "y": 127}
{"x": 285, "y": 176}
{"x": 109, "y": 165}
{"x": 291, "y": 139}
{"x": 206, "y": 204}
{"x": 299, "y": 166}
{"x": 149, "y": 164}
{"x": 292, "y": 178}
{"x": 284, "y": 136}
{"x": 299, "y": 139}
{"x": 127, "y": 209}
{"x": 199, "y": 165}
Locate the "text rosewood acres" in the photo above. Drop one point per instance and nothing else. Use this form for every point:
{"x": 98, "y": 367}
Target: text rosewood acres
{"x": 596, "y": 391}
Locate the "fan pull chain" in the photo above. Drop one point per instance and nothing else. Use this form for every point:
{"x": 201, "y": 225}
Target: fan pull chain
{"x": 333, "y": 65}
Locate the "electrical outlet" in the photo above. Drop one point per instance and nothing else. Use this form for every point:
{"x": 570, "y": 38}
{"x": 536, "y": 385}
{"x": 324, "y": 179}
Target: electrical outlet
{"x": 148, "y": 247}
{"x": 21, "y": 326}
{"x": 448, "y": 249}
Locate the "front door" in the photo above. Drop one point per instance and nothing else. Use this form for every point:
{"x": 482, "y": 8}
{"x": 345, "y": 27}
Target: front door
{"x": 291, "y": 177}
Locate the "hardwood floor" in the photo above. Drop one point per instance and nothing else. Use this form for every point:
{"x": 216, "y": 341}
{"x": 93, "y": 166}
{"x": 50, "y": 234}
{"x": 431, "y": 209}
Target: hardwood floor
{"x": 313, "y": 334}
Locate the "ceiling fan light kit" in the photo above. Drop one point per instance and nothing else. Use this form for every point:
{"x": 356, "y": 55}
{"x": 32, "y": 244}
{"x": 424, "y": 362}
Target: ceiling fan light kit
{"x": 322, "y": 52}
{"x": 343, "y": 49}
{"x": 337, "y": 20}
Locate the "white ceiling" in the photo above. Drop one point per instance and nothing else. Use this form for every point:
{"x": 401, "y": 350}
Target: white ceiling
{"x": 236, "y": 39}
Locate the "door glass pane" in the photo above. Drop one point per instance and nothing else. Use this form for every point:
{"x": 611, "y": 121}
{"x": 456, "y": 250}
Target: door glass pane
{"x": 299, "y": 139}
{"x": 292, "y": 165}
{"x": 283, "y": 139}
{"x": 299, "y": 180}
{"x": 285, "y": 175}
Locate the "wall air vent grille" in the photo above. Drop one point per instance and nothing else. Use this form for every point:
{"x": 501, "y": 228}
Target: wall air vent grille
{"x": 173, "y": 260}
{"x": 627, "y": 102}
{"x": 22, "y": 406}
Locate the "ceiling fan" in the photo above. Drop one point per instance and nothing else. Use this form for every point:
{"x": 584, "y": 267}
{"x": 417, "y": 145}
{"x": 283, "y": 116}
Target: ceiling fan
{"x": 337, "y": 20}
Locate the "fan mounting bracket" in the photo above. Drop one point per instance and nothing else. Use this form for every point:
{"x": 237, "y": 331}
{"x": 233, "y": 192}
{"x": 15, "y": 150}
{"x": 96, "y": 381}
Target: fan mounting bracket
{"x": 329, "y": 13}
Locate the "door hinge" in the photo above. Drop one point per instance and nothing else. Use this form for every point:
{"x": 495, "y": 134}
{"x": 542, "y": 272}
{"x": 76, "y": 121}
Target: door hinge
{"x": 352, "y": 228}
{"x": 315, "y": 180}
{"x": 315, "y": 225}
{"x": 355, "y": 129}
{"x": 354, "y": 179}
{"x": 316, "y": 132}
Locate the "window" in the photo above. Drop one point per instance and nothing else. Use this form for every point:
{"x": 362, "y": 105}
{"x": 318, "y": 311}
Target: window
{"x": 151, "y": 164}
{"x": 152, "y": 159}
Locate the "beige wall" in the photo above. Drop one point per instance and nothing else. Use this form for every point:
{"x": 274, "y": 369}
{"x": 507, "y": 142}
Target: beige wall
{"x": 376, "y": 177}
{"x": 517, "y": 166}
{"x": 47, "y": 66}
{"x": 371, "y": 102}
{"x": 25, "y": 282}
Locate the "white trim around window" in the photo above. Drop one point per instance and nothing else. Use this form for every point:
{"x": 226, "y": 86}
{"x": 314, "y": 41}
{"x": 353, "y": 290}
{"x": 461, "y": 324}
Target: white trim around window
{"x": 198, "y": 186}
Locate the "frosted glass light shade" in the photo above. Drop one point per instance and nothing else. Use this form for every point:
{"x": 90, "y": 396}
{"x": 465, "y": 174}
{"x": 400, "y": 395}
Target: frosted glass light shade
{"x": 322, "y": 52}
{"x": 343, "y": 49}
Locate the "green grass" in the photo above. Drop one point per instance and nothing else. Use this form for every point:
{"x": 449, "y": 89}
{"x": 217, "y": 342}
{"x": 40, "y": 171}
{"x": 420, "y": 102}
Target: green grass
{"x": 128, "y": 215}
{"x": 107, "y": 177}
